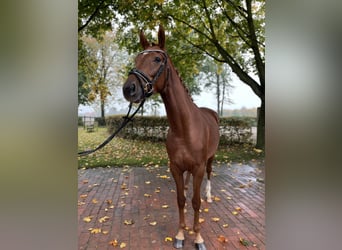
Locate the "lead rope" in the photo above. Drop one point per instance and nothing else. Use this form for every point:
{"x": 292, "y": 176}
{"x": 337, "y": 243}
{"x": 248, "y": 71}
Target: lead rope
{"x": 126, "y": 120}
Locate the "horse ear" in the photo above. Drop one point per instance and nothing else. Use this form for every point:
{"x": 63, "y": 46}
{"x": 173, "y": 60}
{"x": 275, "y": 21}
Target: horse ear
{"x": 143, "y": 41}
{"x": 161, "y": 37}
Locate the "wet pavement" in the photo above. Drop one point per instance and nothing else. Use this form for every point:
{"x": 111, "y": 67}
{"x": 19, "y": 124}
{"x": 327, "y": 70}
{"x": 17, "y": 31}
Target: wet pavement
{"x": 136, "y": 208}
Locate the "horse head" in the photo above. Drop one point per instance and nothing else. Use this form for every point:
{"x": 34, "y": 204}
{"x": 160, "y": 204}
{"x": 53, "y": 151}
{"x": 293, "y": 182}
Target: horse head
{"x": 149, "y": 74}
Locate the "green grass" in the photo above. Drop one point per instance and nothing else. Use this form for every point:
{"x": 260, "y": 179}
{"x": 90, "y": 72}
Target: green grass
{"x": 121, "y": 152}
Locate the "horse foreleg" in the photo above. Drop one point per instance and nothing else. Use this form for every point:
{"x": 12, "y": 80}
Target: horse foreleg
{"x": 186, "y": 183}
{"x": 196, "y": 204}
{"x": 179, "y": 238}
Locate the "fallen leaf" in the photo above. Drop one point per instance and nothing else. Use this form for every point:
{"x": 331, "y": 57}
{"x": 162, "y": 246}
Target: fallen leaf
{"x": 147, "y": 195}
{"x": 215, "y": 219}
{"x": 95, "y": 230}
{"x": 153, "y": 223}
{"x": 234, "y": 213}
{"x": 109, "y": 202}
{"x": 88, "y": 218}
{"x": 244, "y": 242}
{"x": 217, "y": 198}
{"x": 83, "y": 196}
{"x": 225, "y": 225}
{"x": 201, "y": 220}
{"x": 124, "y": 186}
{"x": 147, "y": 182}
{"x": 222, "y": 239}
{"x": 85, "y": 181}
{"x": 122, "y": 245}
{"x": 206, "y": 210}
{"x": 129, "y": 222}
{"x": 94, "y": 201}
{"x": 165, "y": 206}
{"x": 257, "y": 150}
{"x": 105, "y": 232}
{"x": 114, "y": 243}
{"x": 238, "y": 208}
{"x": 104, "y": 219}
{"x": 168, "y": 239}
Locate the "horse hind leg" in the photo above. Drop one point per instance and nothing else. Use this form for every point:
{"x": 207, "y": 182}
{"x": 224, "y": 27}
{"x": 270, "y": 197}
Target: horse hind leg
{"x": 208, "y": 186}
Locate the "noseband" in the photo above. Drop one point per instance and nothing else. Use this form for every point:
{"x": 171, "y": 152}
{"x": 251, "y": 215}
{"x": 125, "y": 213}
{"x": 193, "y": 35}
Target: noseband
{"x": 147, "y": 84}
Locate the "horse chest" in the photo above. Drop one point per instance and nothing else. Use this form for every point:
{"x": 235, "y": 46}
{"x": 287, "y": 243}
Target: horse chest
{"x": 183, "y": 153}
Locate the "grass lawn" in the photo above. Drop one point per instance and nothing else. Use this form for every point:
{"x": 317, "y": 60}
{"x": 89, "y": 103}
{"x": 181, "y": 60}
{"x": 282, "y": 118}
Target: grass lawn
{"x": 121, "y": 152}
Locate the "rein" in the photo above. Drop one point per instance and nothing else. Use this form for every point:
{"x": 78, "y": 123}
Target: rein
{"x": 126, "y": 120}
{"x": 148, "y": 91}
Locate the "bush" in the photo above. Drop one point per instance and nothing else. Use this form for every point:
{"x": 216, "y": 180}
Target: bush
{"x": 152, "y": 128}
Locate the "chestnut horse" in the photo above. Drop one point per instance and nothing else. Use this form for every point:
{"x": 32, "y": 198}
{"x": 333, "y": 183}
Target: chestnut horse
{"x": 193, "y": 134}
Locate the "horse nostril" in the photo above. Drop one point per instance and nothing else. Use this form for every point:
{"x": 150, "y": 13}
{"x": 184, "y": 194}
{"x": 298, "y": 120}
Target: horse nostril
{"x": 132, "y": 88}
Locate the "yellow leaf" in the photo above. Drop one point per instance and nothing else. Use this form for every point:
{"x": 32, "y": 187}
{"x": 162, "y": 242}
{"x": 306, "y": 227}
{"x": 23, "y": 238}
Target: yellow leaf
{"x": 165, "y": 206}
{"x": 95, "y": 230}
{"x": 147, "y": 195}
{"x": 153, "y": 223}
{"x": 234, "y": 213}
{"x": 257, "y": 150}
{"x": 215, "y": 219}
{"x": 238, "y": 208}
{"x": 201, "y": 220}
{"x": 168, "y": 239}
{"x": 129, "y": 222}
{"x": 88, "y": 218}
{"x": 83, "y": 196}
{"x": 147, "y": 182}
{"x": 109, "y": 202}
{"x": 206, "y": 210}
{"x": 122, "y": 245}
{"x": 105, "y": 232}
{"x": 114, "y": 243}
{"x": 217, "y": 198}
{"x": 225, "y": 225}
{"x": 104, "y": 219}
{"x": 94, "y": 201}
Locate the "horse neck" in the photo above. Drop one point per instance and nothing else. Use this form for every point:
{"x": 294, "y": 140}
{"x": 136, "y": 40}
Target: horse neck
{"x": 178, "y": 104}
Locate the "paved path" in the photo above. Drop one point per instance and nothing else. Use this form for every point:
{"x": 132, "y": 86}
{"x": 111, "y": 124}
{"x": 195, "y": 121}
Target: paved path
{"x": 136, "y": 208}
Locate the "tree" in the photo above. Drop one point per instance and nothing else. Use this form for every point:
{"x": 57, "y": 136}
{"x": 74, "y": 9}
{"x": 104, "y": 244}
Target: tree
{"x": 98, "y": 65}
{"x": 229, "y": 31}
{"x": 216, "y": 76}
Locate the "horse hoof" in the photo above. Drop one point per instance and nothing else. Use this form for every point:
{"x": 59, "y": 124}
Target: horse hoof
{"x": 178, "y": 243}
{"x": 200, "y": 246}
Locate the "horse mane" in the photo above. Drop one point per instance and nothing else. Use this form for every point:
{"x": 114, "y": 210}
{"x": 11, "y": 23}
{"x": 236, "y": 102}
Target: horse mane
{"x": 182, "y": 82}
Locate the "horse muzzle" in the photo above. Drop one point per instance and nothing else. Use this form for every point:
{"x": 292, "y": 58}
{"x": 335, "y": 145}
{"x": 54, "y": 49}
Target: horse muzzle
{"x": 132, "y": 90}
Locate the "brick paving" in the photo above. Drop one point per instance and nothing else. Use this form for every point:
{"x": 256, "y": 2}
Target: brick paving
{"x": 136, "y": 208}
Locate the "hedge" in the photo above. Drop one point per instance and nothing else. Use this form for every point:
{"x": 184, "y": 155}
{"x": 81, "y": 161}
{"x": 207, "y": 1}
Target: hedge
{"x": 232, "y": 129}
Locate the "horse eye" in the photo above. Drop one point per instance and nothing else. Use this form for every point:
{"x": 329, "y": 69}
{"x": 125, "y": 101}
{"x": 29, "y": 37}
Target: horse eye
{"x": 157, "y": 59}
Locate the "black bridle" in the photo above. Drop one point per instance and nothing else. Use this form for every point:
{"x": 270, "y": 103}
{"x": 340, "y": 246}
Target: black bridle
{"x": 147, "y": 86}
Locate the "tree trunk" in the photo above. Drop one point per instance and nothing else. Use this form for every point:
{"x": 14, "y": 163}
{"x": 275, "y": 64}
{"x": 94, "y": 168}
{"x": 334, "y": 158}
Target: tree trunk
{"x": 102, "y": 109}
{"x": 218, "y": 92}
{"x": 260, "y": 143}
